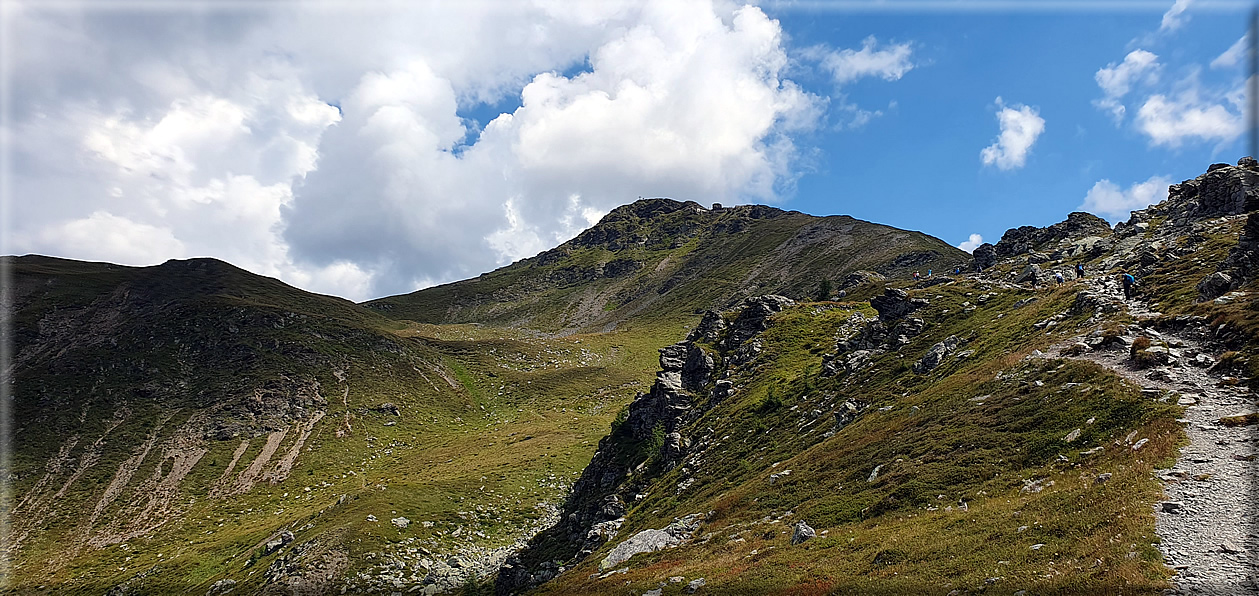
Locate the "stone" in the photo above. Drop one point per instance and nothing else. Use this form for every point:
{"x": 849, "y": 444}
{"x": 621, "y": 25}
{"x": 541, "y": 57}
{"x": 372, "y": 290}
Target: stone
{"x": 1248, "y": 162}
{"x": 271, "y": 546}
{"x": 655, "y": 592}
{"x": 985, "y": 255}
{"x": 1073, "y": 435}
{"x": 222, "y": 586}
{"x": 646, "y": 541}
{"x": 1187, "y": 399}
{"x": 895, "y": 304}
{"x": 400, "y": 522}
{"x": 936, "y": 354}
{"x": 694, "y": 585}
{"x": 1171, "y": 506}
{"x": 1214, "y": 285}
{"x": 802, "y": 533}
{"x": 1102, "y": 478}
{"x": 1228, "y": 547}
{"x": 1139, "y": 444}
{"x": 874, "y": 474}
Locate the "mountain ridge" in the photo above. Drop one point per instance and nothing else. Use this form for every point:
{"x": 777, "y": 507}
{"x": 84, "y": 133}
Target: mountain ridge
{"x": 193, "y": 427}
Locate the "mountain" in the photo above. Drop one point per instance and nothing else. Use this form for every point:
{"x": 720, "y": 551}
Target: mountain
{"x": 660, "y": 259}
{"x": 178, "y": 425}
{"x": 661, "y": 405}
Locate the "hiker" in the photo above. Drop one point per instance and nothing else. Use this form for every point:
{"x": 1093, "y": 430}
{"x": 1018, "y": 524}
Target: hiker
{"x": 1128, "y": 281}
{"x": 915, "y": 276}
{"x": 957, "y": 270}
{"x": 1058, "y": 277}
{"x": 928, "y": 273}
{"x": 1079, "y": 270}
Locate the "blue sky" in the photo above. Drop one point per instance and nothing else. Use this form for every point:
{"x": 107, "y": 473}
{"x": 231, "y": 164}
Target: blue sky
{"x": 371, "y": 148}
{"x": 918, "y": 166}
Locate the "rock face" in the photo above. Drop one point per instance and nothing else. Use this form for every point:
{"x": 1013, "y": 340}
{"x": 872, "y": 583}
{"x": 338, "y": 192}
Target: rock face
{"x": 896, "y": 303}
{"x": 619, "y": 469}
{"x": 985, "y": 255}
{"x": 1021, "y": 240}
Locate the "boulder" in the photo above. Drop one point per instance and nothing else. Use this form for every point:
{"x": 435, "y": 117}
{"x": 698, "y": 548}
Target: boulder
{"x": 647, "y": 541}
{"x": 220, "y": 587}
{"x": 985, "y": 255}
{"x": 896, "y": 303}
{"x": 936, "y": 354}
{"x": 1214, "y": 285}
{"x": 801, "y": 533}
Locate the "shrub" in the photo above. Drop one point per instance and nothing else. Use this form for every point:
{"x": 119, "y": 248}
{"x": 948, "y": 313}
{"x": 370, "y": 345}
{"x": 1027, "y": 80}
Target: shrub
{"x": 1140, "y": 344}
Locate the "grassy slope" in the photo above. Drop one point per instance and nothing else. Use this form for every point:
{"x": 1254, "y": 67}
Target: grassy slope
{"x": 689, "y": 261}
{"x": 502, "y": 422}
{"x": 938, "y": 447}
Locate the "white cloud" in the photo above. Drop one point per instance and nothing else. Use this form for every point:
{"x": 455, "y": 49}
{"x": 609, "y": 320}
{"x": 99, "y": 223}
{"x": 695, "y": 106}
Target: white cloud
{"x": 889, "y": 63}
{"x": 1173, "y": 19}
{"x": 104, "y": 236}
{"x": 1192, "y": 113}
{"x": 1116, "y": 80}
{"x": 229, "y": 146}
{"x": 1107, "y": 199}
{"x": 971, "y": 243}
{"x": 1020, "y": 127}
{"x": 1233, "y": 55}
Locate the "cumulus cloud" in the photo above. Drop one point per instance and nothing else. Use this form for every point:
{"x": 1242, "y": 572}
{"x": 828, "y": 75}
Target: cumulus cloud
{"x": 1109, "y": 200}
{"x": 334, "y": 148}
{"x": 1116, "y": 80}
{"x": 1192, "y": 113}
{"x": 1174, "y": 17}
{"x": 971, "y": 243}
{"x": 889, "y": 63}
{"x": 1020, "y": 127}
{"x": 1233, "y": 55}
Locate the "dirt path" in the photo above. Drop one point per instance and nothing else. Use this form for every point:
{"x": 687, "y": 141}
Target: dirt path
{"x": 1209, "y": 520}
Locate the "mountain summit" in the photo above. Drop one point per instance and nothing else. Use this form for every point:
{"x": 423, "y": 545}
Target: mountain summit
{"x": 660, "y": 259}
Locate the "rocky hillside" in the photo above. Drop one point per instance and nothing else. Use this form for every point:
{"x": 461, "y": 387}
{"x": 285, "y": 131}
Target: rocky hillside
{"x": 191, "y": 424}
{"x": 662, "y": 259}
{"x": 989, "y": 431}
{"x": 702, "y": 424}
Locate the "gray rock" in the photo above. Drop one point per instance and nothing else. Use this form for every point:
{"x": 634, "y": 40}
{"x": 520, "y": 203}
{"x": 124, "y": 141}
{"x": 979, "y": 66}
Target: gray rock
{"x": 895, "y": 304}
{"x": 1214, "y": 285}
{"x": 284, "y": 538}
{"x": 936, "y": 354}
{"x": 802, "y": 532}
{"x": 1071, "y": 436}
{"x": 647, "y": 541}
{"x": 985, "y": 255}
{"x": 222, "y": 586}
{"x": 1171, "y": 506}
{"x": 694, "y": 585}
{"x": 1102, "y": 478}
{"x": 400, "y": 522}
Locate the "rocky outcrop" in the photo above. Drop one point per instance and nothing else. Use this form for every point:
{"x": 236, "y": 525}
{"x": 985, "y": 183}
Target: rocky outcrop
{"x": 753, "y": 318}
{"x": 1024, "y": 239}
{"x": 895, "y": 304}
{"x": 985, "y": 255}
{"x": 656, "y": 421}
{"x": 935, "y": 355}
{"x": 1234, "y": 187}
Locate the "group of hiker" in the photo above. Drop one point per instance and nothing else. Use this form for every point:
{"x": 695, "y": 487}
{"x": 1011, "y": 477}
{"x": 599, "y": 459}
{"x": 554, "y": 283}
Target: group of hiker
{"x": 1127, "y": 280}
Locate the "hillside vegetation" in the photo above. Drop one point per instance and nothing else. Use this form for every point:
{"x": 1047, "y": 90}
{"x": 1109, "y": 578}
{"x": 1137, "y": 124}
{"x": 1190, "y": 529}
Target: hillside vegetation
{"x": 659, "y": 260}
{"x": 194, "y": 428}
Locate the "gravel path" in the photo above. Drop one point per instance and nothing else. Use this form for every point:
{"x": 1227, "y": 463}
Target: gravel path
{"x": 1209, "y": 520}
